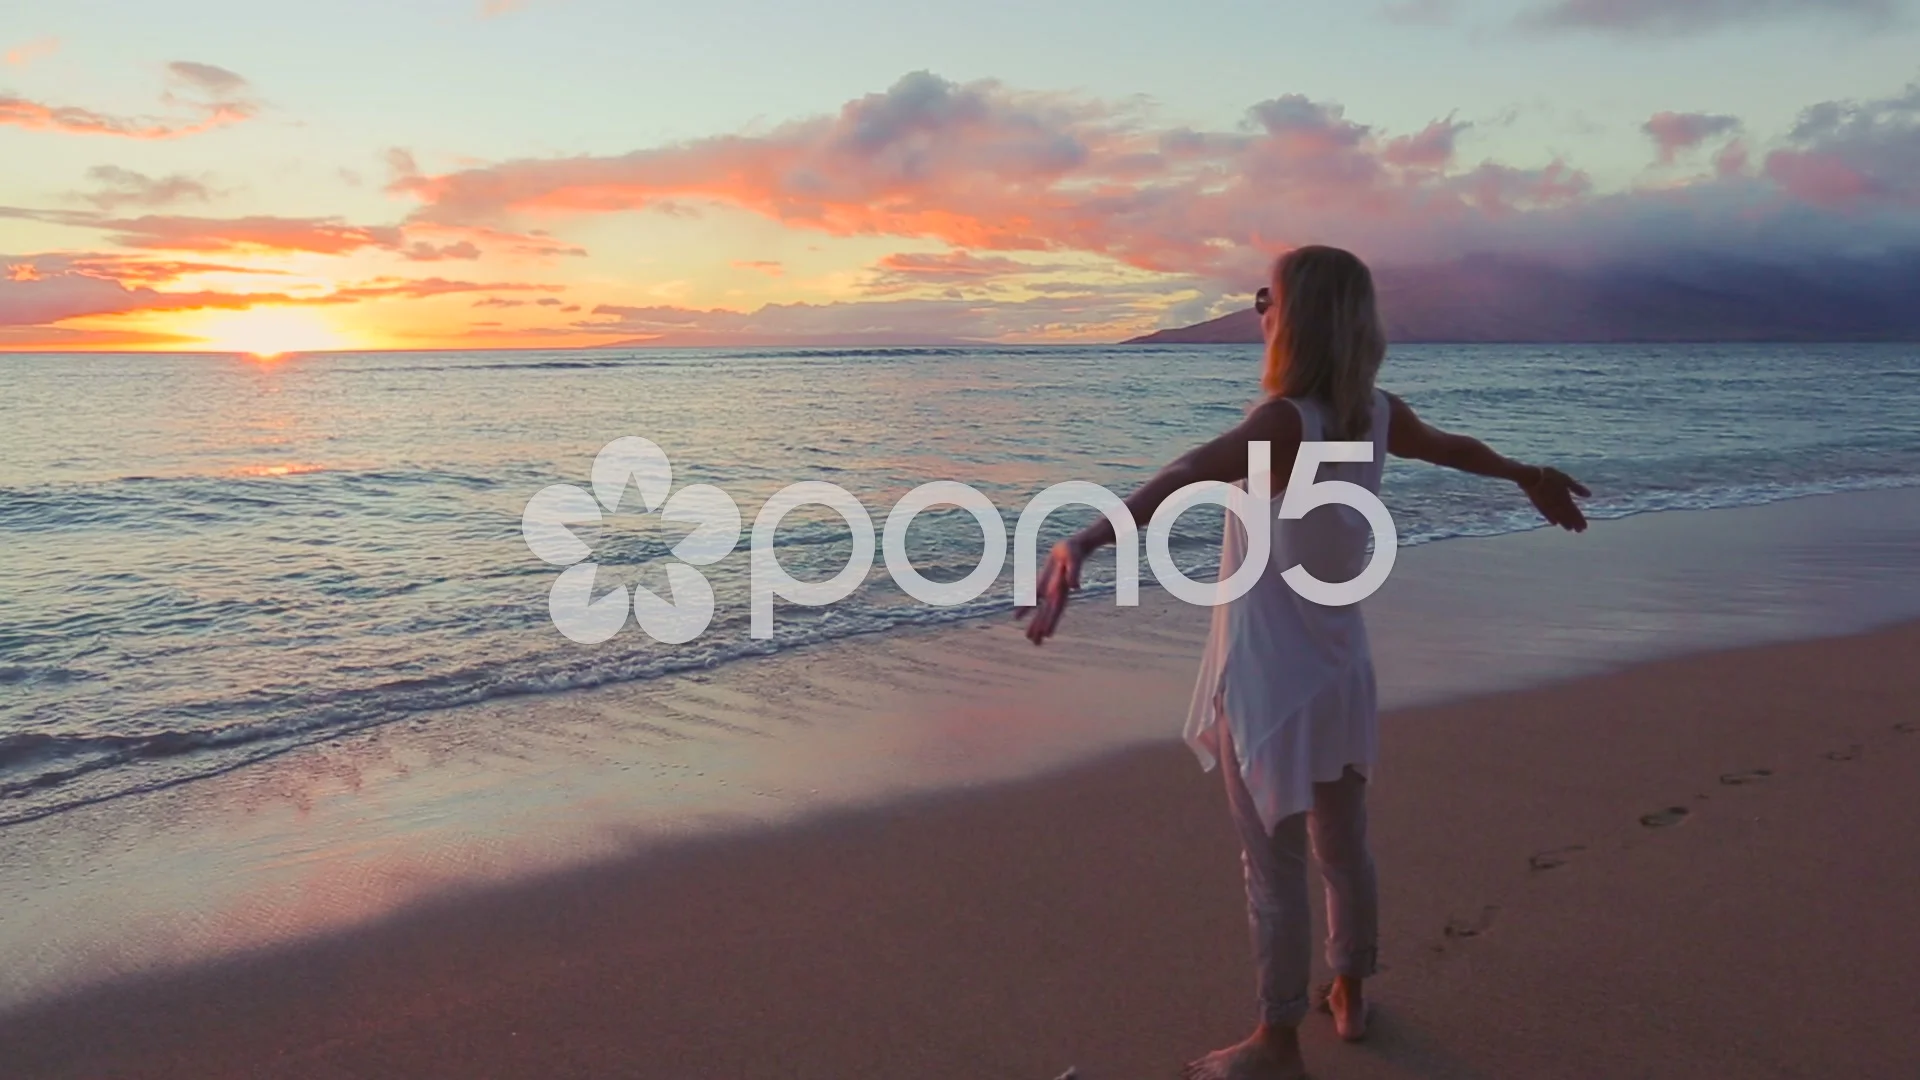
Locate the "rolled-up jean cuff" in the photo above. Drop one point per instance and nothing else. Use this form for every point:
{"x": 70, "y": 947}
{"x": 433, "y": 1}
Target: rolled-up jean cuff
{"x": 1286, "y": 1014}
{"x": 1359, "y": 964}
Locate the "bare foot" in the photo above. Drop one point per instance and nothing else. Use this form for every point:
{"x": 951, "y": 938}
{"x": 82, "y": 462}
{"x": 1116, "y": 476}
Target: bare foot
{"x": 1349, "y": 1008}
{"x": 1270, "y": 1053}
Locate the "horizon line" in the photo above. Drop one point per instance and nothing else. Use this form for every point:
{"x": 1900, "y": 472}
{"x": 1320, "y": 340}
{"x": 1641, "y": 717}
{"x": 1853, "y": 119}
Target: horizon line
{"x": 276, "y": 357}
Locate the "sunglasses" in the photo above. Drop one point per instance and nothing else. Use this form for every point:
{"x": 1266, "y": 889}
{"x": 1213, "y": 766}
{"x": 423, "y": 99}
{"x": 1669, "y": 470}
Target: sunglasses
{"x": 1262, "y": 300}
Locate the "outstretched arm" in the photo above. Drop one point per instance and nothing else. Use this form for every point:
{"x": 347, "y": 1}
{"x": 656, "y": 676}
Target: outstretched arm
{"x": 1224, "y": 459}
{"x": 1550, "y": 490}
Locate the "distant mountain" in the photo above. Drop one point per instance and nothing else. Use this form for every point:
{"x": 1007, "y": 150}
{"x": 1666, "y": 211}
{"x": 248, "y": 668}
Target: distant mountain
{"x": 1234, "y": 328}
{"x": 1495, "y": 299}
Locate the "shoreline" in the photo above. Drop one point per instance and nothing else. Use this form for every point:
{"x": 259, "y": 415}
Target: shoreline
{"x": 1616, "y": 873}
{"x": 269, "y": 745}
{"x": 1904, "y": 511}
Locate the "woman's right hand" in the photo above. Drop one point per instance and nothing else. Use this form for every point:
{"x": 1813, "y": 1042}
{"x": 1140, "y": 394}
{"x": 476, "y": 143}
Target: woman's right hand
{"x": 1552, "y": 492}
{"x": 1060, "y": 576}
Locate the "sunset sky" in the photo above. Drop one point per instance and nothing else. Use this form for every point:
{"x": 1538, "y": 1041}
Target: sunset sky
{"x": 213, "y": 174}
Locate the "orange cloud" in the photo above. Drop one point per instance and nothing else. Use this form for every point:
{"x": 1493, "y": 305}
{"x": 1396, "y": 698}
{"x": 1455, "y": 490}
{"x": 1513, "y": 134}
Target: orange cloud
{"x": 140, "y": 270}
{"x": 952, "y": 265}
{"x": 903, "y": 271}
{"x": 467, "y": 241}
{"x": 321, "y": 236}
{"x": 54, "y": 338}
{"x": 41, "y": 290}
{"x": 269, "y": 234}
{"x": 56, "y": 291}
{"x": 980, "y": 166}
{"x": 420, "y": 288}
{"x": 218, "y": 95}
{"x": 38, "y": 116}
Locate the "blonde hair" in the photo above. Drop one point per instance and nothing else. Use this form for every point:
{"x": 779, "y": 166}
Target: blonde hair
{"x": 1329, "y": 343}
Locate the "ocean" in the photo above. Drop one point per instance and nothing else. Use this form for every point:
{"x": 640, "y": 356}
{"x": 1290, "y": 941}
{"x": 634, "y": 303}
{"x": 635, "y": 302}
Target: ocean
{"x": 211, "y": 559}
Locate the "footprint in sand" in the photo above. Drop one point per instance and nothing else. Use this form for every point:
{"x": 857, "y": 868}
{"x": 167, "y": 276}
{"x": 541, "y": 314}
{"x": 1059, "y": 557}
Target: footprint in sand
{"x": 1751, "y": 776}
{"x": 1660, "y": 819}
{"x": 1848, "y": 754}
{"x": 1463, "y": 928}
{"x": 1554, "y": 858}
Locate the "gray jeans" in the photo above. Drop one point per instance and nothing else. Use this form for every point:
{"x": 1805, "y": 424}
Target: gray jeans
{"x": 1276, "y": 873}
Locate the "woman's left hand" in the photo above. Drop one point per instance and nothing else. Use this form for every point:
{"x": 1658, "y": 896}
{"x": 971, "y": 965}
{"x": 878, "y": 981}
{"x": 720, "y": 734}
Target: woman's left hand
{"x": 1060, "y": 576}
{"x": 1551, "y": 492}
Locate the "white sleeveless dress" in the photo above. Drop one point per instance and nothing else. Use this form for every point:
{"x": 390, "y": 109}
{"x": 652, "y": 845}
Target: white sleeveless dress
{"x": 1293, "y": 679}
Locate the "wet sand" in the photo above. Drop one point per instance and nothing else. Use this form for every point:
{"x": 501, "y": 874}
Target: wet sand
{"x": 1696, "y": 867}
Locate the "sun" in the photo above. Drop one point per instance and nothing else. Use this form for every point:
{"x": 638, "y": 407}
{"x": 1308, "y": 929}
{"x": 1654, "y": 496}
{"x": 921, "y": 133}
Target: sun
{"x": 269, "y": 332}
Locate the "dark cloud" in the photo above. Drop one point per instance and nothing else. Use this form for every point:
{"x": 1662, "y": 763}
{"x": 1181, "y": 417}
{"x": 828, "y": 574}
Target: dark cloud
{"x": 1673, "y": 17}
{"x": 118, "y": 187}
{"x": 216, "y": 82}
{"x": 1853, "y": 153}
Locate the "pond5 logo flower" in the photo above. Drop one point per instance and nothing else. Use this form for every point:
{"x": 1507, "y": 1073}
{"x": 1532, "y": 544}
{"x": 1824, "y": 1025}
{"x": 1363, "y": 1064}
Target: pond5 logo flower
{"x": 622, "y": 465}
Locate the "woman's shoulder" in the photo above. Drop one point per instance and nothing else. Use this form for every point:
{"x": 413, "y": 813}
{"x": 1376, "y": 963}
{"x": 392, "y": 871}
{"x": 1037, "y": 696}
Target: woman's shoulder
{"x": 1276, "y": 416}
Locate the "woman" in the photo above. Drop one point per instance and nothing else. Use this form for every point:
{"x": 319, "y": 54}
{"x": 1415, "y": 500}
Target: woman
{"x": 1292, "y": 679}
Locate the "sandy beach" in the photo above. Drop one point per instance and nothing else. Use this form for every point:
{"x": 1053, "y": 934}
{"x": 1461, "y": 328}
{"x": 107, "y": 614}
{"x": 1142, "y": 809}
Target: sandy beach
{"x": 1698, "y": 867}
